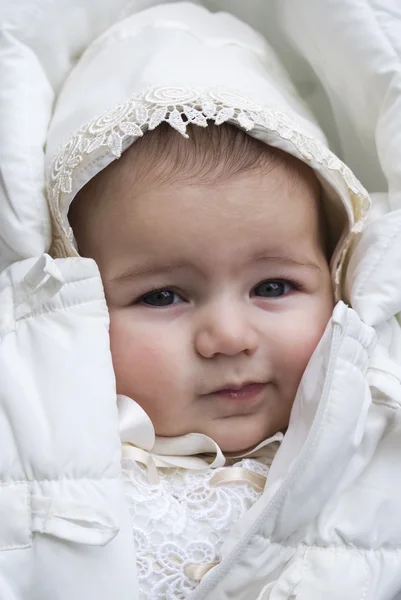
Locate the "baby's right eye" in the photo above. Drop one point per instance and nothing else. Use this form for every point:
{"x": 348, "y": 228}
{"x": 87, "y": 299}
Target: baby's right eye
{"x": 160, "y": 298}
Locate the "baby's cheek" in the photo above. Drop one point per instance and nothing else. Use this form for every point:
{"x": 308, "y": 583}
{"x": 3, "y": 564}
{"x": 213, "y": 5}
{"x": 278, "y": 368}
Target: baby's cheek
{"x": 301, "y": 342}
{"x": 143, "y": 365}
{"x": 310, "y": 339}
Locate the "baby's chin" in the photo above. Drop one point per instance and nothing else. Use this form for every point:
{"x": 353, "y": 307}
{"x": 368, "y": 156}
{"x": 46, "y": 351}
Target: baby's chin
{"x": 240, "y": 437}
{"x": 239, "y": 445}
{"x": 232, "y": 434}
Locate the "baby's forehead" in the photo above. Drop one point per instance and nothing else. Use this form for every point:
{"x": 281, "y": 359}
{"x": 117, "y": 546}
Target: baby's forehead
{"x": 215, "y": 231}
{"x": 163, "y": 169}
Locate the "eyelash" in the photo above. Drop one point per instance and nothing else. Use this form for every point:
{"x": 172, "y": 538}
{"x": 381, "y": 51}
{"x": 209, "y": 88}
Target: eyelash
{"x": 296, "y": 285}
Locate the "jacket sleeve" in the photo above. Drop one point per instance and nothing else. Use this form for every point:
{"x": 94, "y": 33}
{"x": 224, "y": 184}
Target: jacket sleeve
{"x": 64, "y": 525}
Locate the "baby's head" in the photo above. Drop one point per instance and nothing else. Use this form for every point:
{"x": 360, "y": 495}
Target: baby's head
{"x": 213, "y": 256}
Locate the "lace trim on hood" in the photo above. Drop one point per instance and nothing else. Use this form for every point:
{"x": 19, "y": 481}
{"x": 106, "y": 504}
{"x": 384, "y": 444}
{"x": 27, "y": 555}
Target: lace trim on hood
{"x": 115, "y": 130}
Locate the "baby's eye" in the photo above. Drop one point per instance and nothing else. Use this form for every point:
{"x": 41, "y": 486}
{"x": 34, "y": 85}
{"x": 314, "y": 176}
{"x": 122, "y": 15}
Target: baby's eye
{"x": 273, "y": 288}
{"x": 160, "y": 298}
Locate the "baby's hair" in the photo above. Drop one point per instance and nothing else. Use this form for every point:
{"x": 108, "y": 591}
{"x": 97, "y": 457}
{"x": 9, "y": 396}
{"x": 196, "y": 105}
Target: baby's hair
{"x": 210, "y": 155}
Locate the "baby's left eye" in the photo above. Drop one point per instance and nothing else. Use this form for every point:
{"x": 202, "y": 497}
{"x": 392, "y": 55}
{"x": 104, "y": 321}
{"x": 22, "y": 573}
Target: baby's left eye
{"x": 160, "y": 298}
{"x": 273, "y": 288}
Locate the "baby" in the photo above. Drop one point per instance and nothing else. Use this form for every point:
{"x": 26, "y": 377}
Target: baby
{"x": 241, "y": 439}
{"x": 214, "y": 257}
{"x": 213, "y": 233}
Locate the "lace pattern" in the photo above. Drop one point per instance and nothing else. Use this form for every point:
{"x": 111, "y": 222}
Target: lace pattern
{"x": 182, "y": 521}
{"x": 118, "y": 128}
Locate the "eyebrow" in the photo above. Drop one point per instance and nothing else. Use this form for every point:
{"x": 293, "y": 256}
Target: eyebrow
{"x": 287, "y": 259}
{"x": 142, "y": 271}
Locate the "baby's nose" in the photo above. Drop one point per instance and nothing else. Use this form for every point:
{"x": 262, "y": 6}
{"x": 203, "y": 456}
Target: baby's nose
{"x": 228, "y": 332}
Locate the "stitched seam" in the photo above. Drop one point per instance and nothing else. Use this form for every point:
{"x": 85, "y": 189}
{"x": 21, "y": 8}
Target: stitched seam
{"x": 60, "y": 479}
{"x": 66, "y": 284}
{"x": 17, "y": 546}
{"x": 38, "y": 313}
{"x": 341, "y": 549}
{"x": 70, "y": 518}
{"x": 83, "y": 281}
{"x": 91, "y": 163}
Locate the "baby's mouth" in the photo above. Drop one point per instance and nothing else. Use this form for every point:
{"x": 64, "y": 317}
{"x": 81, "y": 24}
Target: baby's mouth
{"x": 244, "y": 392}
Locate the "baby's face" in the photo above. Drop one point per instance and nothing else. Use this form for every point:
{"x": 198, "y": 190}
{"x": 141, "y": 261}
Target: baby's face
{"x": 218, "y": 296}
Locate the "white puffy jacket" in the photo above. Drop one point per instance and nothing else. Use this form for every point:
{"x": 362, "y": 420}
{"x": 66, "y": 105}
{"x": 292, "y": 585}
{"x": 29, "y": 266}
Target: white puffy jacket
{"x": 328, "y": 525}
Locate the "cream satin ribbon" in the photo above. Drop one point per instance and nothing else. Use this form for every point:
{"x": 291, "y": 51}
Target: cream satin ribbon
{"x": 193, "y": 451}
{"x": 239, "y": 475}
{"x": 197, "y": 572}
{"x": 152, "y": 461}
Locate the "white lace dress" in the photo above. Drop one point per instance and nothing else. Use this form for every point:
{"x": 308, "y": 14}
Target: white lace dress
{"x": 180, "y": 523}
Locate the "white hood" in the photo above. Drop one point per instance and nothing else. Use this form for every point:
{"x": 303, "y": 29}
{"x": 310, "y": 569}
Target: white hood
{"x": 181, "y": 64}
